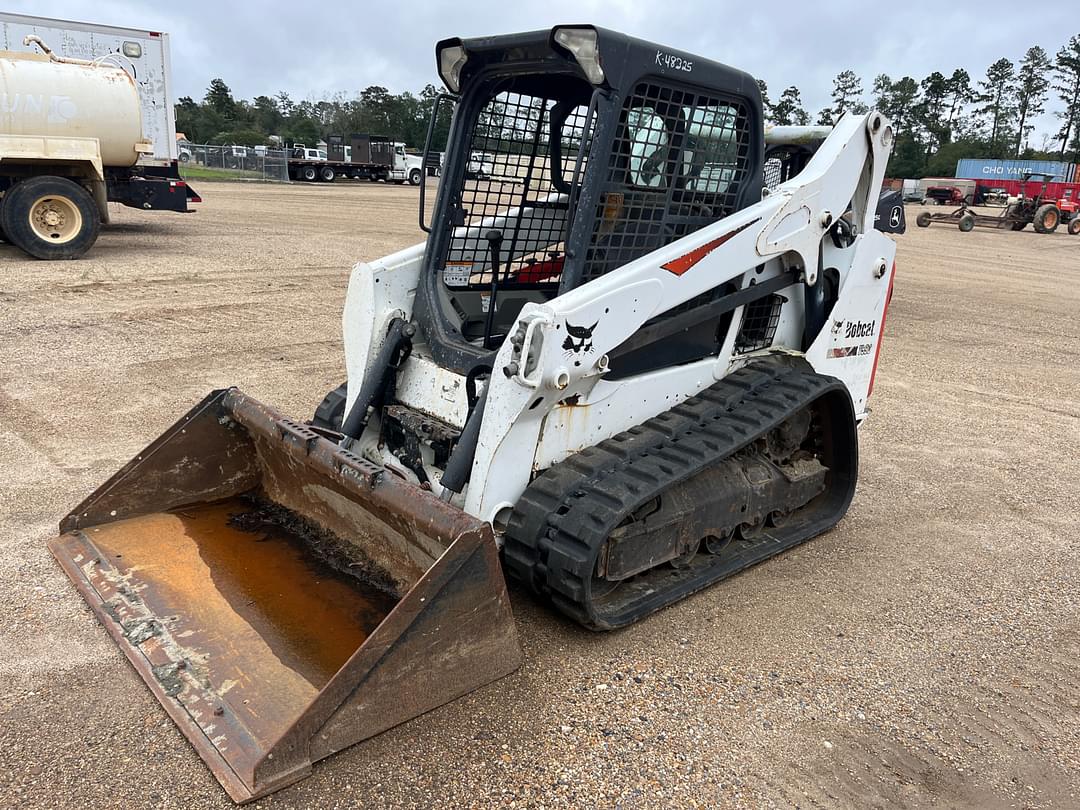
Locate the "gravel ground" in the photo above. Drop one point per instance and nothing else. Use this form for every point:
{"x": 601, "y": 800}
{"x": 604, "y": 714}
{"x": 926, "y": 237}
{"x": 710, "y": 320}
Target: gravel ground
{"x": 924, "y": 653}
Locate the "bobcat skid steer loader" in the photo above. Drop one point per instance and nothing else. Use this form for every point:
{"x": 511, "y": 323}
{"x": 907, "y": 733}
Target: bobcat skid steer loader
{"x": 631, "y": 358}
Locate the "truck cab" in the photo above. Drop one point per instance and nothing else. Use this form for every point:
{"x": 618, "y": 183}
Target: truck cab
{"x": 302, "y": 152}
{"x": 405, "y": 167}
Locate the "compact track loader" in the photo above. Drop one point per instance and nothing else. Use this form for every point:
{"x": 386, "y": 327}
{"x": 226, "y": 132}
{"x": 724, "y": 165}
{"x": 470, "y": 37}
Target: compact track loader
{"x": 630, "y": 359}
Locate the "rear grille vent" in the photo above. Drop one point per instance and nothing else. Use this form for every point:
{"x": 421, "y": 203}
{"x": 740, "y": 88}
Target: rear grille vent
{"x": 760, "y": 319}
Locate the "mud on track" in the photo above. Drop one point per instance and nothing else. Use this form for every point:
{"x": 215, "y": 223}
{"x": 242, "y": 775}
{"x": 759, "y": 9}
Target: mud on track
{"x": 924, "y": 653}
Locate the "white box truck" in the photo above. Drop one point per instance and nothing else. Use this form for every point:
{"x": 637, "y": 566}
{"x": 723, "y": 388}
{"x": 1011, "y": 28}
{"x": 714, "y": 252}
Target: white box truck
{"x": 86, "y": 118}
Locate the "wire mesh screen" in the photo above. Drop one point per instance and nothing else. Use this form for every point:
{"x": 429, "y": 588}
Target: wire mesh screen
{"x": 679, "y": 161}
{"x": 782, "y": 163}
{"x": 774, "y": 173}
{"x": 509, "y": 185}
{"x": 760, "y": 319}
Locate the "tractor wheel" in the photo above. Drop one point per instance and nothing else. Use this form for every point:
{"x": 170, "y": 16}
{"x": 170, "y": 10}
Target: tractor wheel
{"x": 923, "y": 220}
{"x": 966, "y": 223}
{"x": 326, "y": 174}
{"x": 51, "y": 217}
{"x": 1047, "y": 218}
{"x": 1074, "y": 225}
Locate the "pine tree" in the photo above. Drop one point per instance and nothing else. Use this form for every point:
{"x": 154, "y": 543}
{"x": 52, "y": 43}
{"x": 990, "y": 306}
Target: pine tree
{"x": 789, "y": 109}
{"x": 1032, "y": 81}
{"x": 219, "y": 98}
{"x": 929, "y": 113}
{"x": 959, "y": 93}
{"x": 1067, "y": 83}
{"x": 897, "y": 100}
{"x": 847, "y": 94}
{"x": 766, "y": 105}
{"x": 999, "y": 102}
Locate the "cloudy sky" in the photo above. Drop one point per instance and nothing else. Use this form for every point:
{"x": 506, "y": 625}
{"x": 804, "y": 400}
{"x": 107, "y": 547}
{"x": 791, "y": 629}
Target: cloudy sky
{"x": 337, "y": 46}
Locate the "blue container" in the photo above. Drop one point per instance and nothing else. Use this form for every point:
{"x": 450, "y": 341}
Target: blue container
{"x": 979, "y": 169}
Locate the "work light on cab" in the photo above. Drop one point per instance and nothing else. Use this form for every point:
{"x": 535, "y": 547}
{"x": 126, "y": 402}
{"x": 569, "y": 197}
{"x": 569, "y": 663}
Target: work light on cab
{"x": 582, "y": 45}
{"x": 452, "y": 59}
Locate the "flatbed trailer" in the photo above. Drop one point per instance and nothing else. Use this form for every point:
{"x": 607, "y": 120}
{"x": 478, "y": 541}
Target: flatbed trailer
{"x": 366, "y": 157}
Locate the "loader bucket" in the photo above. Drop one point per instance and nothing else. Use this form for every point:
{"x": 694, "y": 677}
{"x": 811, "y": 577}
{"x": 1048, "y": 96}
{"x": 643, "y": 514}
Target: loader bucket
{"x": 281, "y": 597}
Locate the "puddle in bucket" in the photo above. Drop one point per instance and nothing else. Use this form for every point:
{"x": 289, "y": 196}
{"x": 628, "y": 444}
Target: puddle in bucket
{"x": 260, "y": 594}
{"x": 277, "y": 571}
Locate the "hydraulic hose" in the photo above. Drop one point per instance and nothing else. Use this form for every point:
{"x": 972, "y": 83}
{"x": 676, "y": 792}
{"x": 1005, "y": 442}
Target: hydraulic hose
{"x": 395, "y": 348}
{"x": 460, "y": 464}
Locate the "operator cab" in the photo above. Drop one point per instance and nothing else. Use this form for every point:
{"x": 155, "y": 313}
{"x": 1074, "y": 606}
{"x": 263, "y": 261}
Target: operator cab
{"x": 573, "y": 152}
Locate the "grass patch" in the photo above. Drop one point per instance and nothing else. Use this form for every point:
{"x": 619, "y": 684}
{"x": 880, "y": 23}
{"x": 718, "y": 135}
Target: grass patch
{"x": 190, "y": 172}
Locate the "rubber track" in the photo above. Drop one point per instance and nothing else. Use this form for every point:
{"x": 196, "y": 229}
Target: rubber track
{"x": 563, "y": 518}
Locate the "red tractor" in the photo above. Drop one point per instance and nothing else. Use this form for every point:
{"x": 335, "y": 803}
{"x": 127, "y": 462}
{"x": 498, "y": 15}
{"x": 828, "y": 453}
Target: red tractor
{"x": 1044, "y": 214}
{"x": 1070, "y": 212}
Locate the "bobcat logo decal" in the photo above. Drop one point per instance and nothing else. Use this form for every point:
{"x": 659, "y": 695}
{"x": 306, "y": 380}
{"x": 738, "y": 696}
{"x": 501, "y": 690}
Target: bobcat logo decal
{"x": 578, "y": 338}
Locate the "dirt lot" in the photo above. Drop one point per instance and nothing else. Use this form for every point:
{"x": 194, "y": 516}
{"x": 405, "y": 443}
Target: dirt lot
{"x": 924, "y": 653}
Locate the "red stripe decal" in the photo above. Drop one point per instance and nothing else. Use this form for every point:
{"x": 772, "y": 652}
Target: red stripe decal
{"x": 881, "y": 331}
{"x": 686, "y": 261}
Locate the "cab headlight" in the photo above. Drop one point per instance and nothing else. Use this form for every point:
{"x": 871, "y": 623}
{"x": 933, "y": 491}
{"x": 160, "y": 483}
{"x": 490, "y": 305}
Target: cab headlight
{"x": 452, "y": 59}
{"x": 582, "y": 45}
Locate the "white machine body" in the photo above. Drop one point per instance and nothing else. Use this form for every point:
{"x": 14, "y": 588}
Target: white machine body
{"x": 546, "y": 403}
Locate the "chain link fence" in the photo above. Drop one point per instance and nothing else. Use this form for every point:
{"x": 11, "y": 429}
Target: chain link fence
{"x": 208, "y": 162}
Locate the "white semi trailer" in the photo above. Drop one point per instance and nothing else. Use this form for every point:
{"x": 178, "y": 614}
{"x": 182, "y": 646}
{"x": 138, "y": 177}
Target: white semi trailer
{"x": 85, "y": 119}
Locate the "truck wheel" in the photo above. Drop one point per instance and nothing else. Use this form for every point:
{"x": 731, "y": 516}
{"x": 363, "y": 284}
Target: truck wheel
{"x": 1047, "y": 218}
{"x": 308, "y": 173}
{"x": 1074, "y": 225}
{"x": 51, "y": 218}
{"x": 966, "y": 223}
{"x": 923, "y": 220}
{"x": 326, "y": 174}
{"x": 414, "y": 177}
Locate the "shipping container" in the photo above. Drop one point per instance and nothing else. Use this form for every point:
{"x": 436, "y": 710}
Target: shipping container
{"x": 985, "y": 169}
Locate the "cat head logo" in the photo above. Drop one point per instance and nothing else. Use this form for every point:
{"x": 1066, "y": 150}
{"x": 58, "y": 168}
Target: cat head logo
{"x": 578, "y": 338}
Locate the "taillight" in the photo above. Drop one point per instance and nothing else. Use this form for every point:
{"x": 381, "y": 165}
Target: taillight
{"x": 881, "y": 331}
